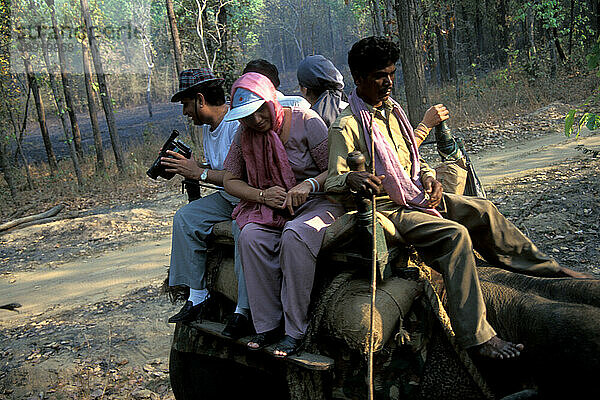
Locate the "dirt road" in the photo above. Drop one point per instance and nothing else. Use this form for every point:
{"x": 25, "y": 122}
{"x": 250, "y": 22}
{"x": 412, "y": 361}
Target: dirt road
{"x": 95, "y": 327}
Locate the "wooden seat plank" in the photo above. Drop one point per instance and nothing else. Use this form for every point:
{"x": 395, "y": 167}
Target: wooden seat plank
{"x": 306, "y": 360}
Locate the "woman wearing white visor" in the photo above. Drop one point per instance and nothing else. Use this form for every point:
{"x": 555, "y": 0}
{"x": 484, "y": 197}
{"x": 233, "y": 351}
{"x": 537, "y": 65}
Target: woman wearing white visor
{"x": 277, "y": 159}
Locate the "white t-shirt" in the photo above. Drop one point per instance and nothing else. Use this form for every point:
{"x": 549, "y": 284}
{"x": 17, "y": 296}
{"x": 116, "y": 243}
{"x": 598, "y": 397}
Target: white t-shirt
{"x": 292, "y": 101}
{"x": 216, "y": 146}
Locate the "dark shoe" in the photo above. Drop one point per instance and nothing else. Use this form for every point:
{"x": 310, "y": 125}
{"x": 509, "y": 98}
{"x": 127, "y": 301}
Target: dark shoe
{"x": 188, "y": 312}
{"x": 287, "y": 345}
{"x": 236, "y": 327}
{"x": 265, "y": 339}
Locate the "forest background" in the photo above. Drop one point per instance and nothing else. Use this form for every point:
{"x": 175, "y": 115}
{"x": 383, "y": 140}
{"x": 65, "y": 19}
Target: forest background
{"x": 484, "y": 59}
{"x": 78, "y": 131}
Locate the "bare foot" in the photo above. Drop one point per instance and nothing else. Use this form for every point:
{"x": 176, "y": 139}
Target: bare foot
{"x": 497, "y": 348}
{"x": 574, "y": 274}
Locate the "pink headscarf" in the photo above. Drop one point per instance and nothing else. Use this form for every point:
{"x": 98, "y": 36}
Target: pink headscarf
{"x": 266, "y": 160}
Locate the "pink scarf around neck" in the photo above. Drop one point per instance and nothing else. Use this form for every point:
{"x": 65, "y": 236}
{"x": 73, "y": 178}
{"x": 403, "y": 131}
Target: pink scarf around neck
{"x": 266, "y": 160}
{"x": 403, "y": 189}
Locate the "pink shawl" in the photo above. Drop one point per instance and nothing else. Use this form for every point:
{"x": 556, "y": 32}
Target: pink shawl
{"x": 403, "y": 189}
{"x": 266, "y": 160}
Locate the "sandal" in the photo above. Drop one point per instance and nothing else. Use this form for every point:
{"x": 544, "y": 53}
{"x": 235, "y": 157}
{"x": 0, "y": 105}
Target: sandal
{"x": 287, "y": 345}
{"x": 265, "y": 339}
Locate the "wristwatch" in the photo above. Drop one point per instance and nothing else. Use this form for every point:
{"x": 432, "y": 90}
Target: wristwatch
{"x": 204, "y": 175}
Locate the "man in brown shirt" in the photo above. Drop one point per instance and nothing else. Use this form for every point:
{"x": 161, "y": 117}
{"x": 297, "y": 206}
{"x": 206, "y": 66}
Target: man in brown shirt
{"x": 444, "y": 228}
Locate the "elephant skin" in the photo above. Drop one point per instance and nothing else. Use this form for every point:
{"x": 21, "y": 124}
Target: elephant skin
{"x": 558, "y": 321}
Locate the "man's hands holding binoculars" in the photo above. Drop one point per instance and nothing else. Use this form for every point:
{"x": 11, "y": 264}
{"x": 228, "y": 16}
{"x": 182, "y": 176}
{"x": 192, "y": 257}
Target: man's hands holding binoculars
{"x": 178, "y": 164}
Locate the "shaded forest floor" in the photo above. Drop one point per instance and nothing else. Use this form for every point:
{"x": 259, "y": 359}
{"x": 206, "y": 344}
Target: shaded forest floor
{"x": 93, "y": 325}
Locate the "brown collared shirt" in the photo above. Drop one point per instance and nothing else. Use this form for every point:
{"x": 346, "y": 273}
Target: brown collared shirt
{"x": 346, "y": 135}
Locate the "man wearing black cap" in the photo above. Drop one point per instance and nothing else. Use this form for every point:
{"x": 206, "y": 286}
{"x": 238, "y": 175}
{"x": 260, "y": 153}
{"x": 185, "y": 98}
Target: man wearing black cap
{"x": 269, "y": 70}
{"x": 203, "y": 98}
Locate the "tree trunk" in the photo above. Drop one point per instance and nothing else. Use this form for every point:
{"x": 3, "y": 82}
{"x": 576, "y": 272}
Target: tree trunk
{"x": 175, "y": 37}
{"x": 502, "y": 27}
{"x": 39, "y": 105}
{"x": 451, "y": 48}
{"x": 61, "y": 113}
{"x": 377, "y": 21}
{"x": 66, "y": 82}
{"x": 282, "y": 47}
{"x": 104, "y": 92}
{"x": 479, "y": 36}
{"x": 553, "y": 59}
{"x": 597, "y": 19}
{"x": 443, "y": 61}
{"x": 389, "y": 18}
{"x": 148, "y": 92}
{"x": 409, "y": 29}
{"x": 7, "y": 169}
{"x": 14, "y": 122}
{"x": 559, "y": 49}
{"x": 89, "y": 90}
{"x": 571, "y": 25}
{"x": 593, "y": 10}
{"x": 530, "y": 21}
{"x": 331, "y": 34}
{"x": 149, "y": 65}
{"x": 465, "y": 42}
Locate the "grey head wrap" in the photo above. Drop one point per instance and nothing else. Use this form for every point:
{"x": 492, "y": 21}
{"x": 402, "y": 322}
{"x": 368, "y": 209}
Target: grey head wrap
{"x": 319, "y": 74}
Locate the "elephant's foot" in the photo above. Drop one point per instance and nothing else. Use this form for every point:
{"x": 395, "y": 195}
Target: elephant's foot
{"x": 499, "y": 349}
{"x": 574, "y": 274}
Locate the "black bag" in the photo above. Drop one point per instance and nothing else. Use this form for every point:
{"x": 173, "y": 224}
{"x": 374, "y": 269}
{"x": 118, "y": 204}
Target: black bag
{"x": 473, "y": 186}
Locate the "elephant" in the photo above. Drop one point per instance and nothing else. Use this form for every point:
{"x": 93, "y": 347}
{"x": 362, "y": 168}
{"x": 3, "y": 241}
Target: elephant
{"x": 557, "y": 319}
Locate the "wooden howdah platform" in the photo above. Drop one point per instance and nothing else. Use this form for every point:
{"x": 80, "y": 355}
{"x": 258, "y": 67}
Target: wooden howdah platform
{"x": 205, "y": 338}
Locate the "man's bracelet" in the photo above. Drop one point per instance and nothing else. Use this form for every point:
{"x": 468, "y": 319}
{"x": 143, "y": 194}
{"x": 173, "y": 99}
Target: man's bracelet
{"x": 261, "y": 197}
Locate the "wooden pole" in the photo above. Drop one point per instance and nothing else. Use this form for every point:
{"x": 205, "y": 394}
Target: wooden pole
{"x": 373, "y": 271}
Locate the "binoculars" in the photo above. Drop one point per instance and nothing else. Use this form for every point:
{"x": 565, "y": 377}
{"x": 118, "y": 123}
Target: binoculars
{"x": 173, "y": 144}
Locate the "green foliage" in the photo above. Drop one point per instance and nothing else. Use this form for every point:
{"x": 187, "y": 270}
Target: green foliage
{"x": 590, "y": 120}
{"x": 593, "y": 58}
{"x": 550, "y": 12}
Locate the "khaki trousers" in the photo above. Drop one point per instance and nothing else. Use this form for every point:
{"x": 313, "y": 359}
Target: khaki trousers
{"x": 446, "y": 245}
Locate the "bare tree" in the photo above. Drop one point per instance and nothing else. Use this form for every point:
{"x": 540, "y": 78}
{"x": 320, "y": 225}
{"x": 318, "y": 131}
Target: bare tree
{"x": 19, "y": 134}
{"x": 104, "y": 91}
{"x": 39, "y": 105}
{"x": 142, "y": 20}
{"x": 89, "y": 90}
{"x": 409, "y": 28}
{"x": 60, "y": 108}
{"x": 175, "y": 37}
{"x": 377, "y": 20}
{"x": 442, "y": 59}
{"x": 6, "y": 114}
{"x": 7, "y": 168}
{"x": 530, "y": 22}
{"x": 296, "y": 30}
{"x": 210, "y": 29}
{"x": 66, "y": 81}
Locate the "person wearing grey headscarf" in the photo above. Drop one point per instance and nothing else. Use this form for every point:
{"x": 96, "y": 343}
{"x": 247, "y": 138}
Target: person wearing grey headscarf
{"x": 321, "y": 84}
